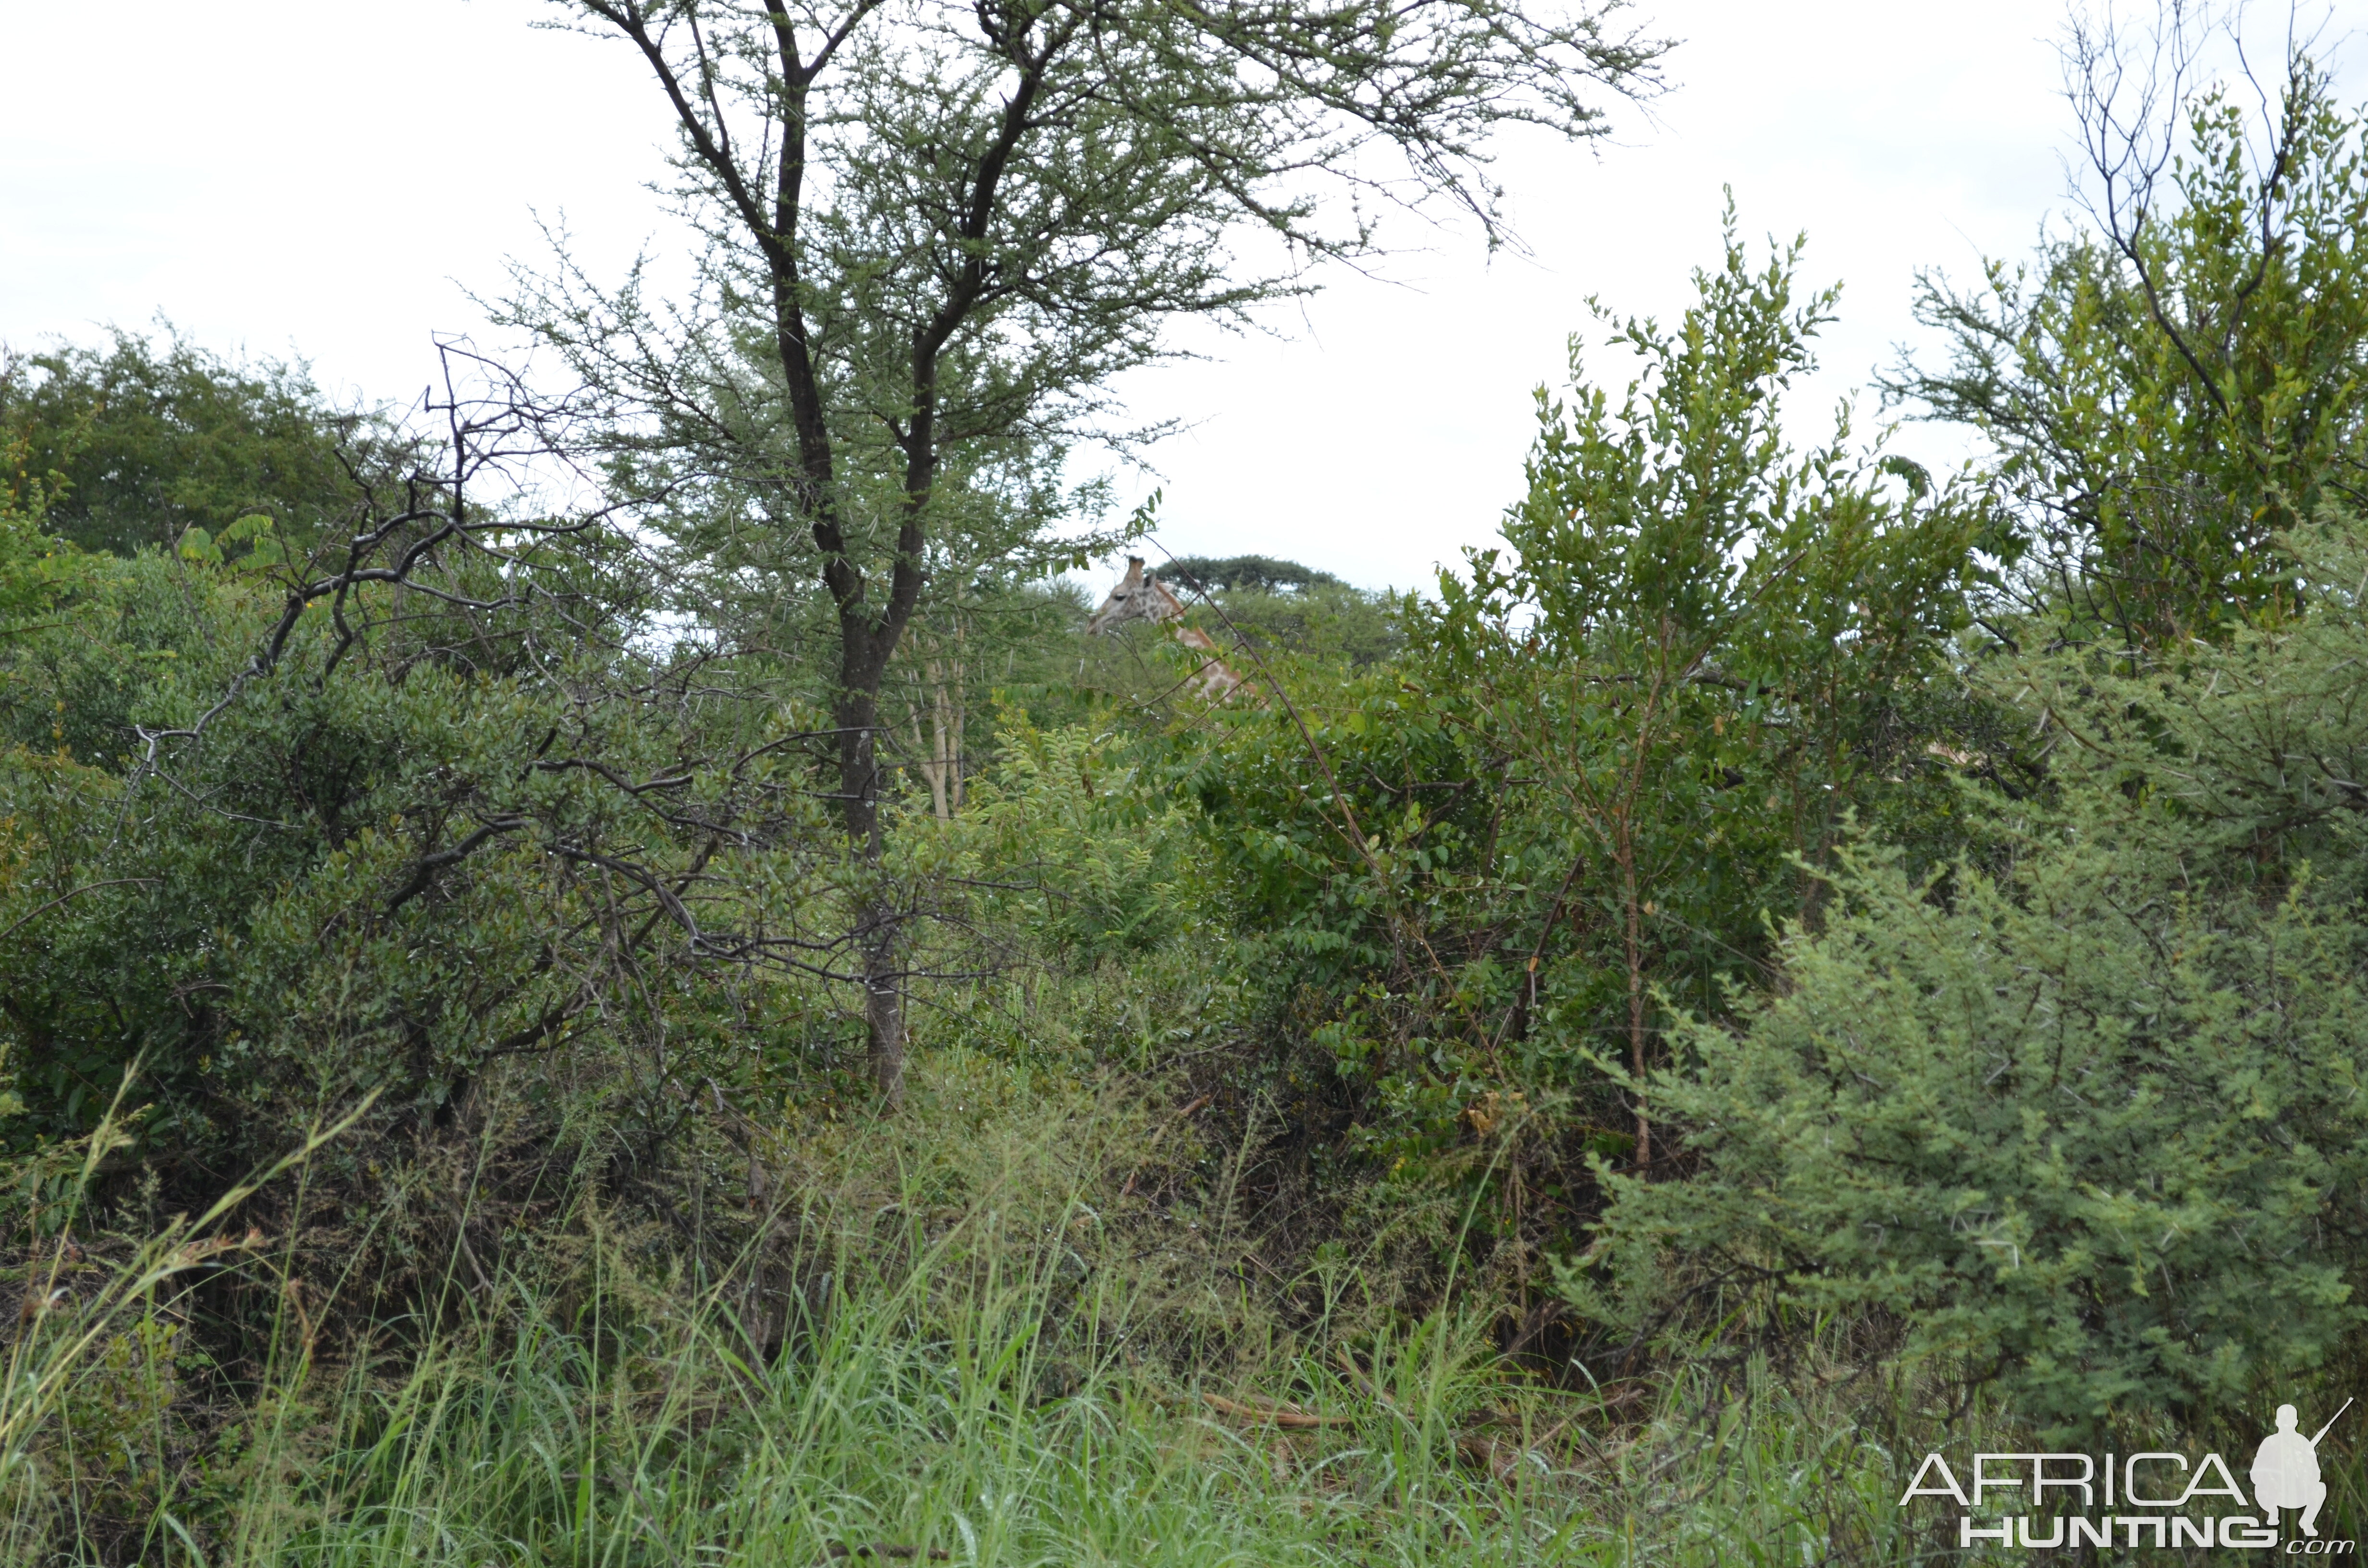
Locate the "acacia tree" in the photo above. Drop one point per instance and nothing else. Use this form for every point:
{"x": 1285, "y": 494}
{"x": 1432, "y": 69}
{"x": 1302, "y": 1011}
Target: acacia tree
{"x": 933, "y": 234}
{"x": 2169, "y": 390}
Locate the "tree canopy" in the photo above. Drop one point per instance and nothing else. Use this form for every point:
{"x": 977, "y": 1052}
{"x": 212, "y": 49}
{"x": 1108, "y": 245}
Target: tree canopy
{"x": 147, "y": 440}
{"x": 930, "y": 237}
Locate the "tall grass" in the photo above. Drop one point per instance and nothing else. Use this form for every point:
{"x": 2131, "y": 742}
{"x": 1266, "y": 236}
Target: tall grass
{"x": 952, "y": 1421}
{"x": 981, "y": 1358}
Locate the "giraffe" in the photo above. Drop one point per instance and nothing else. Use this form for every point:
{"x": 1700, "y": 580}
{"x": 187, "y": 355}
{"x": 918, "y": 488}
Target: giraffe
{"x": 1143, "y": 597}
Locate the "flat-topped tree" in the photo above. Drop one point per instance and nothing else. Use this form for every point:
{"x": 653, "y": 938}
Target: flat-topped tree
{"x": 933, "y": 234}
{"x": 1255, "y": 574}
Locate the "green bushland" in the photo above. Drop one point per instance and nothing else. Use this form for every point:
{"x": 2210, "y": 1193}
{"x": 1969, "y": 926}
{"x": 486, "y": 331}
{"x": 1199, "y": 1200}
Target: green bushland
{"x": 982, "y": 1363}
{"x": 1789, "y": 963}
{"x": 2094, "y": 1117}
{"x": 148, "y": 439}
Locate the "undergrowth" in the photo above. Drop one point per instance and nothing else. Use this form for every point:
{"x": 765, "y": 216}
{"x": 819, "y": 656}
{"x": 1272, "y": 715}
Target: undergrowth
{"x": 993, "y": 1352}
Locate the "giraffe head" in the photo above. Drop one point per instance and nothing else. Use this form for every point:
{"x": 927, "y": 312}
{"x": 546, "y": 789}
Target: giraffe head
{"x": 1138, "y": 597}
{"x": 1141, "y": 596}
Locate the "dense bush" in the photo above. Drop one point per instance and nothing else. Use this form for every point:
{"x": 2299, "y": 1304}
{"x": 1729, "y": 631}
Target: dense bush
{"x": 1610, "y": 757}
{"x": 149, "y": 440}
{"x": 1781, "y": 901}
{"x": 2097, "y": 1123}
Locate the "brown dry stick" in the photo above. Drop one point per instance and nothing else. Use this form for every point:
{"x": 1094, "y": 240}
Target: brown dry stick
{"x": 838, "y": 1550}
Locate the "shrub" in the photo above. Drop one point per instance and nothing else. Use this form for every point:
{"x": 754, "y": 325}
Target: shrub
{"x": 2084, "y": 1133}
{"x": 2095, "y": 1122}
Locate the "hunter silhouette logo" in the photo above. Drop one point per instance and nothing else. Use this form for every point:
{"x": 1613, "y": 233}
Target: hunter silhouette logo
{"x": 2285, "y": 1471}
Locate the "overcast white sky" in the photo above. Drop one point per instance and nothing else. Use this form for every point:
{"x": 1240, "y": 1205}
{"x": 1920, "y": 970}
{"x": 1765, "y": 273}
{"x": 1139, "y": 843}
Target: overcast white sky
{"x": 332, "y": 180}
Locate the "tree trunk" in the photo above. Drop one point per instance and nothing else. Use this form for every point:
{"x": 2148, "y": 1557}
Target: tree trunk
{"x": 938, "y": 751}
{"x": 883, "y": 1009}
{"x": 1638, "y": 1057}
{"x": 946, "y": 733}
{"x": 877, "y": 917}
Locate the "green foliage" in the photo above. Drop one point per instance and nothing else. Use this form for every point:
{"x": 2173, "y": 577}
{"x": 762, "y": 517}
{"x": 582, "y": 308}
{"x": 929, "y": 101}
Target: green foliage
{"x": 371, "y": 887}
{"x": 145, "y": 442}
{"x": 2096, "y": 1124}
{"x": 2165, "y": 396}
{"x": 262, "y": 553}
{"x": 992, "y": 1358}
{"x": 1323, "y": 623}
{"x": 1598, "y": 773}
{"x": 1337, "y": 901}
{"x": 1269, "y": 603}
{"x": 1106, "y": 863}
{"x": 94, "y": 638}
{"x": 35, "y": 570}
{"x": 1709, "y": 647}
{"x": 1759, "y": 842}
{"x": 929, "y": 243}
{"x": 1250, "y": 574}
{"x": 451, "y": 836}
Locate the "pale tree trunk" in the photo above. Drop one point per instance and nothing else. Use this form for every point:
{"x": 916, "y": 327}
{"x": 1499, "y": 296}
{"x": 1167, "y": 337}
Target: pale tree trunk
{"x": 938, "y": 756}
{"x": 933, "y": 772}
{"x": 946, "y": 715}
